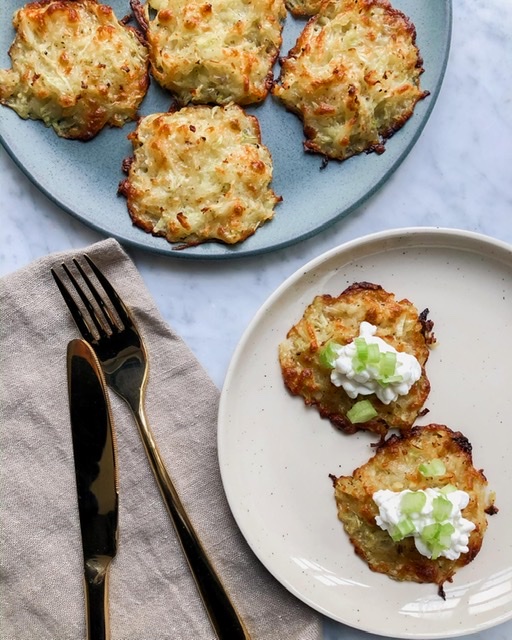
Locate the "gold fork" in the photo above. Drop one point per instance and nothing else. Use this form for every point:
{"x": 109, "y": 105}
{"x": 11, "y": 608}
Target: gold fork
{"x": 121, "y": 352}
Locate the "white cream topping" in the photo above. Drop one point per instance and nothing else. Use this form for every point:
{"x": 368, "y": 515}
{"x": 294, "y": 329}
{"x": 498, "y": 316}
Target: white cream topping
{"x": 390, "y": 514}
{"x": 366, "y": 382}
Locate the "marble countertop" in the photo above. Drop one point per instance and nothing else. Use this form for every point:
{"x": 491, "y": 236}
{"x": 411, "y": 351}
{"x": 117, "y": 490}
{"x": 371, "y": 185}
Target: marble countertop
{"x": 458, "y": 175}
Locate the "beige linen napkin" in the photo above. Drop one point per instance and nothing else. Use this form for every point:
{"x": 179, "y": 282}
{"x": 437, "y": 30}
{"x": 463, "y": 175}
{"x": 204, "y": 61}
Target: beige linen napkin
{"x": 152, "y": 595}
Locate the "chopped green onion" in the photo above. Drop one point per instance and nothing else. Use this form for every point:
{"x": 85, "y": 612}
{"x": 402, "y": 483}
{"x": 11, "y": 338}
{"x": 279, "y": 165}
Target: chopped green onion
{"x": 413, "y": 502}
{"x": 357, "y": 365}
{"x": 361, "y": 411}
{"x": 373, "y": 353}
{"x": 328, "y": 354}
{"x": 436, "y": 550}
{"x": 402, "y": 529}
{"x": 445, "y": 534}
{"x": 368, "y": 355}
{"x": 430, "y": 532}
{"x": 437, "y": 537}
{"x": 433, "y": 468}
{"x": 387, "y": 364}
{"x": 441, "y": 508}
{"x": 361, "y": 356}
{"x": 389, "y": 380}
{"x": 361, "y": 349}
{"x": 448, "y": 488}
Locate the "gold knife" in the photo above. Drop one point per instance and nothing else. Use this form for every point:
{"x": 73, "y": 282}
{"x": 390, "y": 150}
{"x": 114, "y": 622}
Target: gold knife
{"x": 96, "y": 480}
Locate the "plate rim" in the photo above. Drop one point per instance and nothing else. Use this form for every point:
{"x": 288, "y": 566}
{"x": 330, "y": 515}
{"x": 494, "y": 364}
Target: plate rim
{"x": 379, "y": 236}
{"x": 219, "y": 251}
{"x": 455, "y": 238}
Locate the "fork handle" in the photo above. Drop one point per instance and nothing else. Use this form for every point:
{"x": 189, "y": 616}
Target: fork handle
{"x": 222, "y": 613}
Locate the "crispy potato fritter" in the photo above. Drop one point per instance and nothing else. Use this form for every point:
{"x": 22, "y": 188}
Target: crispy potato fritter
{"x": 213, "y": 52}
{"x": 338, "y": 319}
{"x": 395, "y": 467}
{"x": 75, "y": 67}
{"x": 198, "y": 174}
{"x": 302, "y": 8}
{"x": 353, "y": 77}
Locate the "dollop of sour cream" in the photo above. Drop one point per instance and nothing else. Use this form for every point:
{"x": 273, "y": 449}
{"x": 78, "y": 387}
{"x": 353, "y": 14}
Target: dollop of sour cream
{"x": 390, "y": 514}
{"x": 366, "y": 382}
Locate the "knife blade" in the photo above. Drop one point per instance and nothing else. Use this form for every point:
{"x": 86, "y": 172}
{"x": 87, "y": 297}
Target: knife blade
{"x": 94, "y": 454}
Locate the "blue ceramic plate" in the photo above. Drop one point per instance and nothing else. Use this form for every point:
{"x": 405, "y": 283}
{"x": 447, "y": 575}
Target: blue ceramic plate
{"x": 82, "y": 177}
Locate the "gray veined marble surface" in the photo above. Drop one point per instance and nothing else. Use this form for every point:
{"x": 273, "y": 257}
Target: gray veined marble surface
{"x": 458, "y": 175}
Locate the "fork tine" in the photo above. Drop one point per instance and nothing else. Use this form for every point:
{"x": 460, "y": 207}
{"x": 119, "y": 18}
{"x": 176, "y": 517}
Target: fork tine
{"x": 77, "y": 315}
{"x": 87, "y": 303}
{"x": 107, "y": 314}
{"x": 116, "y": 301}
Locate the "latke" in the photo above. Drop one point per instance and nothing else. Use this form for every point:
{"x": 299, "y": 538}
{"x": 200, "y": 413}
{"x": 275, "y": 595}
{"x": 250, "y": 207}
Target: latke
{"x": 213, "y": 52}
{"x": 75, "y": 67}
{"x": 353, "y": 77}
{"x": 395, "y": 467}
{"x": 338, "y": 319}
{"x": 300, "y": 8}
{"x": 200, "y": 173}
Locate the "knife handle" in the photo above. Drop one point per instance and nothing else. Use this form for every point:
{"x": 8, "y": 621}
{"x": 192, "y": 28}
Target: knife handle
{"x": 222, "y": 613}
{"x": 96, "y": 598}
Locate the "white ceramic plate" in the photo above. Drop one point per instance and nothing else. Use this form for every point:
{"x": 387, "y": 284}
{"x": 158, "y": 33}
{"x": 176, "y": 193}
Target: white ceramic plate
{"x": 275, "y": 454}
{"x": 83, "y": 177}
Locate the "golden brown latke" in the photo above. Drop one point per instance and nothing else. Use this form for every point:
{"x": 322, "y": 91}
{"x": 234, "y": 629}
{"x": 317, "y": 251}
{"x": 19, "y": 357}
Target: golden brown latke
{"x": 353, "y": 77}
{"x": 75, "y": 67}
{"x": 302, "y": 8}
{"x": 395, "y": 466}
{"x": 213, "y": 52}
{"x": 338, "y": 319}
{"x": 200, "y": 173}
